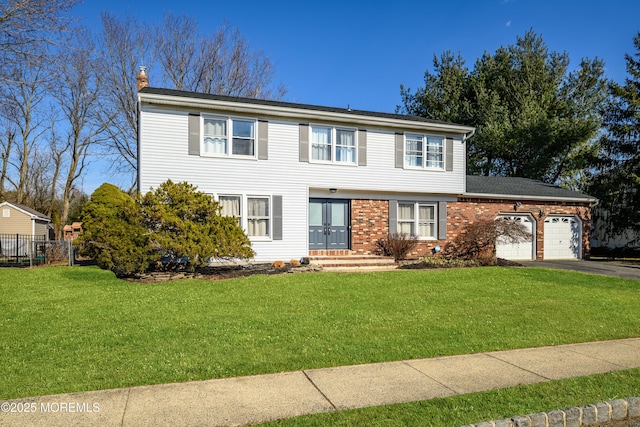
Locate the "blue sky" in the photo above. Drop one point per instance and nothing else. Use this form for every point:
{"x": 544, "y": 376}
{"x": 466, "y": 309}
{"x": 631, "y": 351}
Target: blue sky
{"x": 357, "y": 53}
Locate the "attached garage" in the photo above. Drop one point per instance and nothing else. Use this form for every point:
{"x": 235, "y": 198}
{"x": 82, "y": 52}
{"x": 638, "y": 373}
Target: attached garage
{"x": 562, "y": 237}
{"x": 518, "y": 250}
{"x": 558, "y": 219}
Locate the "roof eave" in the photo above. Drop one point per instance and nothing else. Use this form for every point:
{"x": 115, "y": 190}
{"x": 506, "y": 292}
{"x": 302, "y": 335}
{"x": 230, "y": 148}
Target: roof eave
{"x": 286, "y": 112}
{"x": 526, "y": 197}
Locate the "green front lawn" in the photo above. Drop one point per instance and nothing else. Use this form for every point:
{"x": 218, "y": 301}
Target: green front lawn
{"x": 73, "y": 329}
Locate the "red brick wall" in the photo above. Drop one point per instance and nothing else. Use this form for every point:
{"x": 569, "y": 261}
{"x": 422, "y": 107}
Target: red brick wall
{"x": 469, "y": 210}
{"x": 370, "y": 221}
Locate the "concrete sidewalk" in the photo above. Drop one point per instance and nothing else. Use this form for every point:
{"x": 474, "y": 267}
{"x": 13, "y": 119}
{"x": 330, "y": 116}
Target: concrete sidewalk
{"x": 255, "y": 399}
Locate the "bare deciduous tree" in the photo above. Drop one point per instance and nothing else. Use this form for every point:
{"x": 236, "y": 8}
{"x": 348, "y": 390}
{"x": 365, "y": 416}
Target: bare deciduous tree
{"x": 478, "y": 238}
{"x": 221, "y": 63}
{"x": 77, "y": 93}
{"x": 7, "y": 141}
{"x": 123, "y": 48}
{"x": 27, "y": 24}
{"x": 22, "y": 108}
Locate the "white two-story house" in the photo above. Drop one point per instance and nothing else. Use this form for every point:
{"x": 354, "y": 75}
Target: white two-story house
{"x": 306, "y": 180}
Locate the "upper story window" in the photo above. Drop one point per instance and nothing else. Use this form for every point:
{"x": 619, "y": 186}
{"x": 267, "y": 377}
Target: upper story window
{"x": 424, "y": 151}
{"x": 225, "y": 136}
{"x": 331, "y": 144}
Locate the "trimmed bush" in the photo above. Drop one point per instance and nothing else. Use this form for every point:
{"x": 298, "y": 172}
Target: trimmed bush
{"x": 187, "y": 223}
{"x": 174, "y": 222}
{"x": 114, "y": 234}
{"x": 396, "y": 245}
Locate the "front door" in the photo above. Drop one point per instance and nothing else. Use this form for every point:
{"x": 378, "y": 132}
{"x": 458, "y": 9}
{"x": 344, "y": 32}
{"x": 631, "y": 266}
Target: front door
{"x": 328, "y": 224}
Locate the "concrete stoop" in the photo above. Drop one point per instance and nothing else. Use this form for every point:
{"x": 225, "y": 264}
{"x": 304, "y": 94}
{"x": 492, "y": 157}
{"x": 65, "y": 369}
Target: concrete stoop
{"x": 354, "y": 263}
{"x": 614, "y": 413}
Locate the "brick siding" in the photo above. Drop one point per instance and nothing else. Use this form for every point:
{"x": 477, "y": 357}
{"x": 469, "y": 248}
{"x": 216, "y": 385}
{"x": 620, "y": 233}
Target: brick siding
{"x": 370, "y": 221}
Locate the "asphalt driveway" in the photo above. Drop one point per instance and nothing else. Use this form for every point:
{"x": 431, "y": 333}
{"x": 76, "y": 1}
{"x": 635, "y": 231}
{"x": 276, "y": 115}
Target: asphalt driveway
{"x": 606, "y": 268}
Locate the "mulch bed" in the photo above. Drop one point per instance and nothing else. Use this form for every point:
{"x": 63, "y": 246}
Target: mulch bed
{"x": 221, "y": 272}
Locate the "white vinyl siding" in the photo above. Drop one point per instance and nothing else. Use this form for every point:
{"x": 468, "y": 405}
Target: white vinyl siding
{"x": 164, "y": 155}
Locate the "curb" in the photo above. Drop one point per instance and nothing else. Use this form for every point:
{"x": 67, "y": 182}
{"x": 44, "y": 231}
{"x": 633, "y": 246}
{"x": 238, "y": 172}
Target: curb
{"x": 588, "y": 415}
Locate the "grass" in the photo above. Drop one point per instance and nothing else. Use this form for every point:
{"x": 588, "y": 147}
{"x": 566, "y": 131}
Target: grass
{"x": 76, "y": 329}
{"x": 485, "y": 406}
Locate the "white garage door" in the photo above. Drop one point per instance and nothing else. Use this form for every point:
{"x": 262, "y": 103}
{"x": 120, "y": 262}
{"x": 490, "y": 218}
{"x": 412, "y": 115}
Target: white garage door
{"x": 562, "y": 237}
{"x": 516, "y": 251}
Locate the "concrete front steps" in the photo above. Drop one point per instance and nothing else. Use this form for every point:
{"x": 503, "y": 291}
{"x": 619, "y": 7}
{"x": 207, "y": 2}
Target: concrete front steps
{"x": 353, "y": 263}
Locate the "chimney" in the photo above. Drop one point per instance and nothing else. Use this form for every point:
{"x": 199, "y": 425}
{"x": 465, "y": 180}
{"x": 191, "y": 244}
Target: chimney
{"x": 142, "y": 78}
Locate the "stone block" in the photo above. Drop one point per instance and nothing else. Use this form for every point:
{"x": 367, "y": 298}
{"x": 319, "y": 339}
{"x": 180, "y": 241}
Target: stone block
{"x": 539, "y": 420}
{"x": 521, "y": 421}
{"x": 618, "y": 409}
{"x": 603, "y": 411}
{"x": 634, "y": 407}
{"x": 573, "y": 417}
{"x": 556, "y": 419}
{"x": 589, "y": 415}
{"x": 503, "y": 423}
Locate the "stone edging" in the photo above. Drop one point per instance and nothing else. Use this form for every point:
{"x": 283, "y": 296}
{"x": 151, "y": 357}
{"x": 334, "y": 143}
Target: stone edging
{"x": 596, "y": 414}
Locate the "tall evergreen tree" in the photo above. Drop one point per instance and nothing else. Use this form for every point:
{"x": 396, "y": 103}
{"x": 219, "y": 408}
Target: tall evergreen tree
{"x": 534, "y": 118}
{"x": 617, "y": 181}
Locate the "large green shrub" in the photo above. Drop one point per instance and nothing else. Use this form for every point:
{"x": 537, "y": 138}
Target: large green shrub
{"x": 113, "y": 232}
{"x": 186, "y": 222}
{"x": 126, "y": 236}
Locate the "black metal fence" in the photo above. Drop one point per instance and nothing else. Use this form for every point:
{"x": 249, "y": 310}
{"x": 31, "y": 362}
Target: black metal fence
{"x": 20, "y": 250}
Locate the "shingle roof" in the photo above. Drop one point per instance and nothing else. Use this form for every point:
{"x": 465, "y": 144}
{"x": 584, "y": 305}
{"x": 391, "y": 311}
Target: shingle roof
{"x": 29, "y": 210}
{"x": 204, "y": 96}
{"x": 501, "y": 185}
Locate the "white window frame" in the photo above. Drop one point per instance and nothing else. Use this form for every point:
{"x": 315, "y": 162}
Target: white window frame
{"x": 229, "y": 136}
{"x": 240, "y": 201}
{"x": 334, "y": 144}
{"x": 425, "y": 152}
{"x": 268, "y": 217}
{"x": 416, "y": 220}
{"x": 244, "y": 218}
